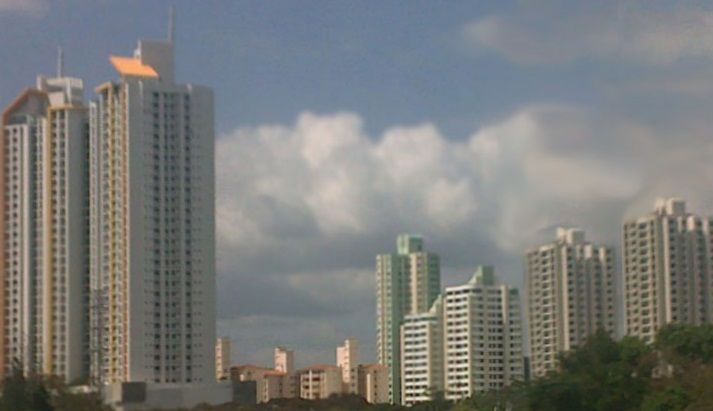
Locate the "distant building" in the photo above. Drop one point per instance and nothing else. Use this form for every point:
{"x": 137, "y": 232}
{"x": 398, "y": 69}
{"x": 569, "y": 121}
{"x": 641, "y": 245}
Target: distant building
{"x": 570, "y": 293}
{"x": 271, "y": 383}
{"x": 347, "y": 360}
{"x": 222, "y": 358}
{"x": 373, "y": 383}
{"x": 408, "y": 282}
{"x": 483, "y": 336}
{"x": 320, "y": 381}
{"x": 422, "y": 374}
{"x": 284, "y": 360}
{"x": 668, "y": 269}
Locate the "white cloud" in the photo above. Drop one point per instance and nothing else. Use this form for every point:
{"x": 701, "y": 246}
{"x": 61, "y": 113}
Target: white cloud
{"x": 324, "y": 179}
{"x": 556, "y": 31}
{"x": 33, "y": 7}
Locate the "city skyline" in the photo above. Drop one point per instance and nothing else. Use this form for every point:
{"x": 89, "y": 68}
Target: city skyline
{"x": 460, "y": 114}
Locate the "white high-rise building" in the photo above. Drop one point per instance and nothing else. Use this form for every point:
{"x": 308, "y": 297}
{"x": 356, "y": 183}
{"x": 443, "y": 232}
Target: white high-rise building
{"x": 348, "y": 361}
{"x": 483, "y": 336}
{"x": 222, "y": 358}
{"x": 284, "y": 360}
{"x": 45, "y": 230}
{"x": 422, "y": 374}
{"x": 668, "y": 269}
{"x": 570, "y": 293}
{"x": 407, "y": 282}
{"x": 152, "y": 224}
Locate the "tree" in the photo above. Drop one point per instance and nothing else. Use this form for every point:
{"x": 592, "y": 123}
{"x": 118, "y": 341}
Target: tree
{"x": 38, "y": 397}
{"x": 682, "y": 344}
{"x": 14, "y": 390}
{"x": 600, "y": 375}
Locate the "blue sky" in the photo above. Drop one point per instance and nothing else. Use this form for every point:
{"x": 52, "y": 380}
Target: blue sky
{"x": 268, "y": 61}
{"x": 481, "y": 125}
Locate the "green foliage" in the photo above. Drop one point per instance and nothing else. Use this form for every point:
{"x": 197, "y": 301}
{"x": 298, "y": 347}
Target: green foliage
{"x": 601, "y": 375}
{"x": 23, "y": 394}
{"x": 670, "y": 399}
{"x": 681, "y": 344}
{"x": 14, "y": 391}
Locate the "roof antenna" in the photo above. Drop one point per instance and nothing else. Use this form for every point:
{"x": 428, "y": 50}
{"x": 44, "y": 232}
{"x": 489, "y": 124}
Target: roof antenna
{"x": 60, "y": 62}
{"x": 171, "y": 23}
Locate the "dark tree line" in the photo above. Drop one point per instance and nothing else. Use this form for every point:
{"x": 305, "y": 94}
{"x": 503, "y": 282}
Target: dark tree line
{"x": 34, "y": 393}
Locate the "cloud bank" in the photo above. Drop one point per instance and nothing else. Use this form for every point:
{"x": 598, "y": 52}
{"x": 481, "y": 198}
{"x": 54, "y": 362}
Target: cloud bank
{"x": 303, "y": 208}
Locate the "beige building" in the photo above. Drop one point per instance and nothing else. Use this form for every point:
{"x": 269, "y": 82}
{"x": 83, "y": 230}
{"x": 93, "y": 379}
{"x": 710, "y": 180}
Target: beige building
{"x": 570, "y": 293}
{"x": 668, "y": 269}
{"x": 222, "y": 358}
{"x": 483, "y": 336}
{"x": 373, "y": 383}
{"x": 271, "y": 383}
{"x": 320, "y": 381}
{"x": 284, "y": 360}
{"x": 347, "y": 360}
{"x": 407, "y": 282}
{"x": 422, "y": 355}
{"x": 44, "y": 239}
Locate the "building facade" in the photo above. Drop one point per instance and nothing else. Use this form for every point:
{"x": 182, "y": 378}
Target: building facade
{"x": 284, "y": 360}
{"x": 347, "y": 361}
{"x": 482, "y": 336}
{"x": 280, "y": 381}
{"x": 320, "y": 381}
{"x": 269, "y": 383}
{"x": 373, "y": 383}
{"x": 422, "y": 374}
{"x": 223, "y": 346}
{"x": 570, "y": 293}
{"x": 43, "y": 196}
{"x": 152, "y": 224}
{"x": 668, "y": 269}
{"x": 407, "y": 282}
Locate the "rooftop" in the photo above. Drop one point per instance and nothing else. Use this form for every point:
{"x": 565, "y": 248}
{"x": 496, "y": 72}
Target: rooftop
{"x": 127, "y": 66}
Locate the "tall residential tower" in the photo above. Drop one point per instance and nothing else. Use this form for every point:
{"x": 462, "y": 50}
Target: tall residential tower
{"x": 407, "y": 282}
{"x": 570, "y": 293}
{"x": 422, "y": 373}
{"x": 668, "y": 269}
{"x": 152, "y": 224}
{"x": 483, "y": 336}
{"x": 43, "y": 196}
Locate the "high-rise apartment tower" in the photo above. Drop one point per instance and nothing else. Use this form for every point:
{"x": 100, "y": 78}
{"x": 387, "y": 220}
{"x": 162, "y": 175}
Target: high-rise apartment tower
{"x": 407, "y": 282}
{"x": 44, "y": 240}
{"x": 668, "y": 269}
{"x": 422, "y": 373}
{"x": 152, "y": 224}
{"x": 570, "y": 293}
{"x": 482, "y": 336}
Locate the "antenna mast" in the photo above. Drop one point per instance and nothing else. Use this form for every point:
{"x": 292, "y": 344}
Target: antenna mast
{"x": 60, "y": 62}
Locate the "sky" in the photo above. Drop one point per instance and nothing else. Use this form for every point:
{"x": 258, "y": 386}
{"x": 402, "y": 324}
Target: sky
{"x": 480, "y": 125}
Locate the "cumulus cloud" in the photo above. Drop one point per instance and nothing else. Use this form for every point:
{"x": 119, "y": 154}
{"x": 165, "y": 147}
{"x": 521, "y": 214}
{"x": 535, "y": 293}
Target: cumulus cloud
{"x": 34, "y": 7}
{"x": 556, "y": 31}
{"x": 304, "y": 208}
{"x": 324, "y": 178}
